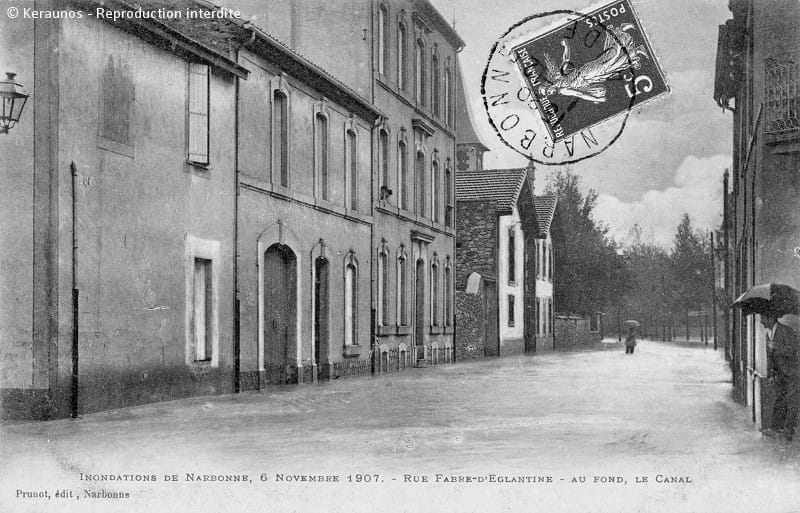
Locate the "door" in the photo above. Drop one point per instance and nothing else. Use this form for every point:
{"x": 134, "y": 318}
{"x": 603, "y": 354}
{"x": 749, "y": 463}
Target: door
{"x": 419, "y": 310}
{"x": 492, "y": 342}
{"x": 280, "y": 313}
{"x": 321, "y": 308}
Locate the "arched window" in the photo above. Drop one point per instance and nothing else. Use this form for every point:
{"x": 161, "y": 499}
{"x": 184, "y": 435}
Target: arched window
{"x": 383, "y": 155}
{"x": 435, "y": 292}
{"x": 402, "y": 287}
{"x": 448, "y": 84}
{"x": 448, "y": 195}
{"x": 435, "y": 190}
{"x": 280, "y": 127}
{"x": 383, "y": 38}
{"x": 419, "y": 172}
{"x": 435, "y": 84}
{"x": 448, "y": 293}
{"x": 351, "y": 158}
{"x": 321, "y": 153}
{"x": 402, "y": 171}
{"x": 383, "y": 285}
{"x": 419, "y": 64}
{"x": 401, "y": 56}
{"x": 351, "y": 301}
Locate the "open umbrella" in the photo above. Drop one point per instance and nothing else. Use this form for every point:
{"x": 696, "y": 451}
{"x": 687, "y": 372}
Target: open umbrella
{"x": 769, "y": 298}
{"x": 632, "y": 324}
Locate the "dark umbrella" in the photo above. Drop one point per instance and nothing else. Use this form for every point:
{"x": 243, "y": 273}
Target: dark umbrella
{"x": 632, "y": 324}
{"x": 769, "y": 298}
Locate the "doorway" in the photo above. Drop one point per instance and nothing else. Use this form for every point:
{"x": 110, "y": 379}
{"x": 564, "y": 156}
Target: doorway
{"x": 419, "y": 310}
{"x": 280, "y": 313}
{"x": 321, "y": 309}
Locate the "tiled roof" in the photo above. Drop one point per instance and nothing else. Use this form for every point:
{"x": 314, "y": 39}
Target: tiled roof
{"x": 500, "y": 185}
{"x": 545, "y": 209}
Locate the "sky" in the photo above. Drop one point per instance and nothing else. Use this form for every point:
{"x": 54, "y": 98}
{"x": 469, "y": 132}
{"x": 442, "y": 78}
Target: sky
{"x": 671, "y": 157}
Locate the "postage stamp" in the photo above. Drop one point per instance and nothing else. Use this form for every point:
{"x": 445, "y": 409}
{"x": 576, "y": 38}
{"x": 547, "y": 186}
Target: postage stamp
{"x": 576, "y": 74}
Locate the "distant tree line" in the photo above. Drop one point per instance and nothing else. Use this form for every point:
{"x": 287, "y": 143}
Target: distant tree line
{"x": 640, "y": 280}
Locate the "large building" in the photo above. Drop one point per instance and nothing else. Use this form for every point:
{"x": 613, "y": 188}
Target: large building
{"x": 758, "y": 79}
{"x": 202, "y": 209}
{"x": 401, "y": 56}
{"x": 116, "y": 261}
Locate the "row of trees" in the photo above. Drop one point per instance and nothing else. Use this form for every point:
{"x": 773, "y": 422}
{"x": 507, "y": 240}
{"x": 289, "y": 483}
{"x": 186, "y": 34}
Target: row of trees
{"x": 640, "y": 280}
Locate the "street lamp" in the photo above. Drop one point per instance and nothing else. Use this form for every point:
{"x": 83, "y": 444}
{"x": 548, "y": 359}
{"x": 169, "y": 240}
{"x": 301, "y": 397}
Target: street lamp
{"x": 13, "y": 98}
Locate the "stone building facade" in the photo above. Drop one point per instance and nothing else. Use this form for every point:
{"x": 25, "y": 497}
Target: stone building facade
{"x": 252, "y": 220}
{"x": 497, "y": 230}
{"x": 115, "y": 173}
{"x": 757, "y": 78}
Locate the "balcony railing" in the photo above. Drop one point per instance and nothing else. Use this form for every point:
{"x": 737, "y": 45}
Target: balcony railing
{"x": 782, "y": 97}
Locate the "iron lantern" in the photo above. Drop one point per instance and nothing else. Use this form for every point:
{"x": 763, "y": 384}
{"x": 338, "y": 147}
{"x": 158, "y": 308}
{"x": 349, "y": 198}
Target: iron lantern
{"x": 13, "y": 98}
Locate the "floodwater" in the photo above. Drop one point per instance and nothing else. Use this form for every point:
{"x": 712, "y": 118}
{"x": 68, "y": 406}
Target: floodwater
{"x": 594, "y": 430}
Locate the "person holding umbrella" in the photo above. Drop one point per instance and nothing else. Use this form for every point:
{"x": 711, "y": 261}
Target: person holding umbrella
{"x": 772, "y": 301}
{"x": 630, "y": 340}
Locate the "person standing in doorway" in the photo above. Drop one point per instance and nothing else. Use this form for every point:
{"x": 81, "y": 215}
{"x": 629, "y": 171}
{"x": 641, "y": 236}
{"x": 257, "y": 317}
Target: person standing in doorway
{"x": 784, "y": 375}
{"x": 630, "y": 341}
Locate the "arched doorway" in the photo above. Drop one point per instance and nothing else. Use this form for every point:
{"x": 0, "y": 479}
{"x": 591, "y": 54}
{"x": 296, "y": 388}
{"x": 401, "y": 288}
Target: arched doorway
{"x": 280, "y": 313}
{"x": 321, "y": 316}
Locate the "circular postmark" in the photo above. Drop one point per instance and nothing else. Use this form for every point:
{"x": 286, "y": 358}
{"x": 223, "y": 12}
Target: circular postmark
{"x": 559, "y": 86}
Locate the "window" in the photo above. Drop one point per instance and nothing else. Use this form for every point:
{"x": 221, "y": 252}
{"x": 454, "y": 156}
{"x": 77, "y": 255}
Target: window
{"x": 419, "y": 172}
{"x": 511, "y": 310}
{"x": 435, "y": 292}
{"x": 201, "y": 301}
{"x": 448, "y": 293}
{"x": 402, "y": 287}
{"x": 383, "y": 155}
{"x": 351, "y": 155}
{"x": 448, "y": 84}
{"x": 435, "y": 84}
{"x": 383, "y": 286}
{"x": 419, "y": 64}
{"x": 448, "y": 195}
{"x": 280, "y": 141}
{"x": 198, "y": 113}
{"x": 512, "y": 256}
{"x": 401, "y": 56}
{"x": 321, "y": 153}
{"x": 201, "y": 310}
{"x": 402, "y": 171}
{"x": 383, "y": 39}
{"x": 117, "y": 101}
{"x": 435, "y": 190}
{"x": 350, "y": 305}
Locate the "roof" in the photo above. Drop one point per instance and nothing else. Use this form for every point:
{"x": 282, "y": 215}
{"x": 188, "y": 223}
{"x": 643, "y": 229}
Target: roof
{"x": 545, "y": 209}
{"x": 500, "y": 185}
{"x": 465, "y": 130}
{"x": 299, "y": 66}
{"x": 433, "y": 15}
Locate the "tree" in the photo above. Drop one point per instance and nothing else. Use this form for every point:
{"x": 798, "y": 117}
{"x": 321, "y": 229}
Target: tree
{"x": 592, "y": 276}
{"x": 691, "y": 271}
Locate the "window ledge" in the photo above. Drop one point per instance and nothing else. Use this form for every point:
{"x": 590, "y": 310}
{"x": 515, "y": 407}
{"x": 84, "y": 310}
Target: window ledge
{"x": 437, "y": 330}
{"x": 385, "y": 331}
{"x": 119, "y": 148}
{"x": 351, "y": 351}
{"x": 449, "y": 330}
{"x": 403, "y": 330}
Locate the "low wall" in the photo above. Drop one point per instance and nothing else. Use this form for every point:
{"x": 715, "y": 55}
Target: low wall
{"x": 573, "y": 332}
{"x": 470, "y": 332}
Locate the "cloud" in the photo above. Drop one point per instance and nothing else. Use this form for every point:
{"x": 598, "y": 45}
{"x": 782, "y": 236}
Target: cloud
{"x": 696, "y": 190}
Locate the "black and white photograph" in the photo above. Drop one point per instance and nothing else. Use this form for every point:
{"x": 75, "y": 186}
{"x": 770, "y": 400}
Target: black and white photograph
{"x": 399, "y": 256}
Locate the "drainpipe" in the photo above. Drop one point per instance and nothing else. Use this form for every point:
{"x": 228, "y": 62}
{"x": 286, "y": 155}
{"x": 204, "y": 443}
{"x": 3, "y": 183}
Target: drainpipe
{"x": 236, "y": 319}
{"x": 75, "y": 332}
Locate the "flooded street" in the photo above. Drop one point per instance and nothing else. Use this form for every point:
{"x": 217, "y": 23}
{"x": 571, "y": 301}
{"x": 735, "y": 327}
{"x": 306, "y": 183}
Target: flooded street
{"x": 594, "y": 430}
